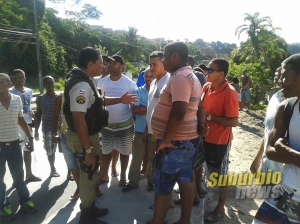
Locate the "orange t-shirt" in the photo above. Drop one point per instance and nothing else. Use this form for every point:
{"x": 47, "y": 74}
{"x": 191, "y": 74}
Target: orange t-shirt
{"x": 220, "y": 103}
{"x": 183, "y": 86}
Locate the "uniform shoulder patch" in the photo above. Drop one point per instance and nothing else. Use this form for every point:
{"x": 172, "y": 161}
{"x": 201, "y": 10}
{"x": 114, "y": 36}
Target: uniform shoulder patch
{"x": 80, "y": 99}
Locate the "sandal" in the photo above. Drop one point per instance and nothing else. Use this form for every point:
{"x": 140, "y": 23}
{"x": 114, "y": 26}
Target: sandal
{"x": 99, "y": 194}
{"x": 54, "y": 174}
{"x": 75, "y": 195}
{"x": 215, "y": 216}
{"x": 114, "y": 173}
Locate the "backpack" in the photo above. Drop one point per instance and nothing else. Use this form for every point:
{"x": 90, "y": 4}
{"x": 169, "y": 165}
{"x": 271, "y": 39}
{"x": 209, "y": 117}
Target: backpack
{"x": 288, "y": 112}
{"x": 96, "y": 116}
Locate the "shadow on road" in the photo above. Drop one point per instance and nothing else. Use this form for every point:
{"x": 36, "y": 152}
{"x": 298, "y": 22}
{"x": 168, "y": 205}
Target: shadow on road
{"x": 44, "y": 199}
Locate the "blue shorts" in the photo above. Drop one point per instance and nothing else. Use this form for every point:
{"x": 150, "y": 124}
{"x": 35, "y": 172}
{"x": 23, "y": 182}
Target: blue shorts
{"x": 71, "y": 161}
{"x": 245, "y": 95}
{"x": 173, "y": 165}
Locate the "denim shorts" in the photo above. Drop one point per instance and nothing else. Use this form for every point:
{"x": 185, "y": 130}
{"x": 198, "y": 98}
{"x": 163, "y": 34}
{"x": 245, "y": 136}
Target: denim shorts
{"x": 71, "y": 161}
{"x": 245, "y": 95}
{"x": 173, "y": 165}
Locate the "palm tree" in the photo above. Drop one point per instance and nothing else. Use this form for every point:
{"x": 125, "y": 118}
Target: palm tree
{"x": 253, "y": 27}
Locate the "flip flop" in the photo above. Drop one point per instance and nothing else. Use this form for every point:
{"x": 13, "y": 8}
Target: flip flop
{"x": 75, "y": 195}
{"x": 33, "y": 179}
{"x": 54, "y": 174}
{"x": 99, "y": 195}
{"x": 214, "y": 216}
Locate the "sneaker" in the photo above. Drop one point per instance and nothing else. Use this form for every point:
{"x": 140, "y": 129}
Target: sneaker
{"x": 7, "y": 213}
{"x": 29, "y": 207}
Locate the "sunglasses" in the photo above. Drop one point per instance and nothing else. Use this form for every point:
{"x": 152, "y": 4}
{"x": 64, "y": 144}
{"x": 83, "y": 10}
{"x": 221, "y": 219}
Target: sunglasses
{"x": 210, "y": 70}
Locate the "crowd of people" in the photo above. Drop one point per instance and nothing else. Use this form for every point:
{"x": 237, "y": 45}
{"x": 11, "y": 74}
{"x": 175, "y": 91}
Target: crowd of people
{"x": 172, "y": 121}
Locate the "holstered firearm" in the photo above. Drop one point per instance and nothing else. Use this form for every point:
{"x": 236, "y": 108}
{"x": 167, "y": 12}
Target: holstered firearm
{"x": 88, "y": 169}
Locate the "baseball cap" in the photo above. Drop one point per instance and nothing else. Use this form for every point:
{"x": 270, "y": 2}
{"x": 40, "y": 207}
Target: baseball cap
{"x": 117, "y": 58}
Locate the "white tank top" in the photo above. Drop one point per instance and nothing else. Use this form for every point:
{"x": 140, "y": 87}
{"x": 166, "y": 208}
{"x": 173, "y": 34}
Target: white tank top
{"x": 291, "y": 173}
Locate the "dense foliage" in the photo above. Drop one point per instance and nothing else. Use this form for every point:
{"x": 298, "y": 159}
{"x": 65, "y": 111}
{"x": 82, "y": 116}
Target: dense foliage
{"x": 62, "y": 38}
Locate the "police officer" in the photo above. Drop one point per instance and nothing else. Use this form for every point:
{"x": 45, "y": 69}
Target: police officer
{"x": 81, "y": 98}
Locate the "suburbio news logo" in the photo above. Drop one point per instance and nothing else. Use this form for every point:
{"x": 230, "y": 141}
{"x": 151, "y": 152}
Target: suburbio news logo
{"x": 251, "y": 185}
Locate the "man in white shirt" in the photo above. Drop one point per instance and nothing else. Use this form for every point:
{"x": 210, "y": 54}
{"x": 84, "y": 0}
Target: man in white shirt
{"x": 118, "y": 135}
{"x": 11, "y": 115}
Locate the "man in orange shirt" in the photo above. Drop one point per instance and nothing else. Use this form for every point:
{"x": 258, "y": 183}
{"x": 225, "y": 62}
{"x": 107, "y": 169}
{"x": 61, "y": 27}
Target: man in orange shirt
{"x": 220, "y": 102}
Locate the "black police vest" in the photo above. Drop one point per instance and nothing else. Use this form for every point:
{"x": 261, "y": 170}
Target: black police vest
{"x": 96, "y": 116}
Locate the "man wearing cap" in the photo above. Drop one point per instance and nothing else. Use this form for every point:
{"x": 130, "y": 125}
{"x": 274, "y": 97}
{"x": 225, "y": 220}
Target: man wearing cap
{"x": 119, "y": 132}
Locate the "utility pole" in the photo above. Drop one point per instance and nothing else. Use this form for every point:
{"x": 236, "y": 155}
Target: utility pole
{"x": 38, "y": 52}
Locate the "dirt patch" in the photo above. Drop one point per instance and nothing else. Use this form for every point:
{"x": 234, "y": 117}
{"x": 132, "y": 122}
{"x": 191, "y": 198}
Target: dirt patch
{"x": 247, "y": 138}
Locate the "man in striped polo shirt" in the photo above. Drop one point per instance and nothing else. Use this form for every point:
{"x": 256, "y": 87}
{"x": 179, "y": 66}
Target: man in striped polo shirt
{"x": 174, "y": 123}
{"x": 11, "y": 115}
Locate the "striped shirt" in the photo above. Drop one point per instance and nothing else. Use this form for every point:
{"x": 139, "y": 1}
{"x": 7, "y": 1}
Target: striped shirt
{"x": 47, "y": 108}
{"x": 182, "y": 86}
{"x": 9, "y": 119}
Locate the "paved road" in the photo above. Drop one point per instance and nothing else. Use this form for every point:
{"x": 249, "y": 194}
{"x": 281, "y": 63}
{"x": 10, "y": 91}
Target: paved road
{"x": 51, "y": 196}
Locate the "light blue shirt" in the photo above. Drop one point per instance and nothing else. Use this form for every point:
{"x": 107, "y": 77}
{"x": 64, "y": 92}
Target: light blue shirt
{"x": 140, "y": 120}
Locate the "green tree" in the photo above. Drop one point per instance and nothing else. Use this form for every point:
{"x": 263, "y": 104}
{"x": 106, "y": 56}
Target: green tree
{"x": 253, "y": 26}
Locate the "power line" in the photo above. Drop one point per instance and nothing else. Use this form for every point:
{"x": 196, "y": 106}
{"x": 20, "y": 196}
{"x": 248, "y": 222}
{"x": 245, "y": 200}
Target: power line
{"x": 67, "y": 46}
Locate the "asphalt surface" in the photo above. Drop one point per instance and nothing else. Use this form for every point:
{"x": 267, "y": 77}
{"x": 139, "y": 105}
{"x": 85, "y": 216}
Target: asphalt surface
{"x": 52, "y": 198}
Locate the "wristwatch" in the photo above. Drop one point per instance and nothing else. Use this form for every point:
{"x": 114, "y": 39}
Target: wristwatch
{"x": 90, "y": 150}
{"x": 208, "y": 117}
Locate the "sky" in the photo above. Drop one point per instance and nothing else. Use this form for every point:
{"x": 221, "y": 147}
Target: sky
{"x": 211, "y": 20}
